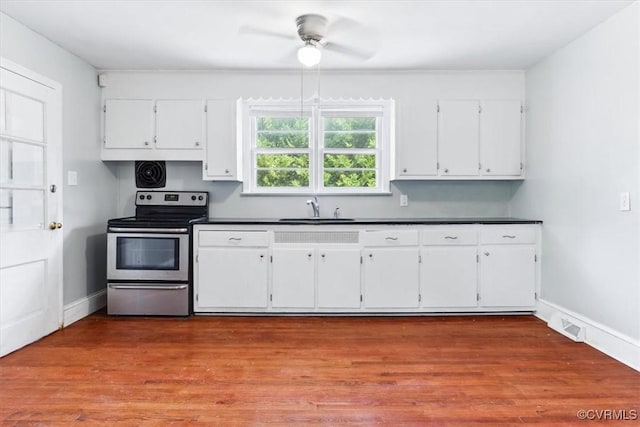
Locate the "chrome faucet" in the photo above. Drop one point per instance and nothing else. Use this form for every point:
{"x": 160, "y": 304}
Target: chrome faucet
{"x": 315, "y": 205}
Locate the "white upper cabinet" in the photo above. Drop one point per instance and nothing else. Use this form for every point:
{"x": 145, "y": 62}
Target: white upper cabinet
{"x": 221, "y": 160}
{"x": 417, "y": 142}
{"x": 128, "y": 124}
{"x": 145, "y": 129}
{"x": 458, "y": 136}
{"x": 500, "y": 138}
{"x": 179, "y": 124}
{"x": 461, "y": 139}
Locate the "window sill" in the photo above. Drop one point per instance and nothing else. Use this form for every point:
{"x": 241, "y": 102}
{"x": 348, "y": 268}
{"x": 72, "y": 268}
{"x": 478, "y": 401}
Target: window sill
{"x": 340, "y": 194}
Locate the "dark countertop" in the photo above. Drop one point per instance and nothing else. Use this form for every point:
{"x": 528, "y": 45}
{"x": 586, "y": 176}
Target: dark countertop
{"x": 369, "y": 221}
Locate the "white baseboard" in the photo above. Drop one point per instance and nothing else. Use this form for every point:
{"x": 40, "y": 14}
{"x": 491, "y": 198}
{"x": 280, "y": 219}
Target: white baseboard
{"x": 84, "y": 306}
{"x": 612, "y": 343}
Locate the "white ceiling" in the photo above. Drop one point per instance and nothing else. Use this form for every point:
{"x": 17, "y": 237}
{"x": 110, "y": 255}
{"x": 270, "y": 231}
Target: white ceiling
{"x": 401, "y": 34}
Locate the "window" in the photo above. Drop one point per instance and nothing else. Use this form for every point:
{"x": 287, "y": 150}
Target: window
{"x": 337, "y": 147}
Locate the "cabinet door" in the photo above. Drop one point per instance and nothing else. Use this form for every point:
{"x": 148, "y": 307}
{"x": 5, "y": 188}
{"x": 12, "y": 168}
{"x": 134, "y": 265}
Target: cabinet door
{"x": 507, "y": 275}
{"x": 449, "y": 276}
{"x": 231, "y": 277}
{"x": 221, "y": 160}
{"x": 339, "y": 278}
{"x": 293, "y": 278}
{"x": 179, "y": 124}
{"x": 391, "y": 277}
{"x": 458, "y": 136}
{"x": 417, "y": 142}
{"x": 128, "y": 123}
{"x": 500, "y": 138}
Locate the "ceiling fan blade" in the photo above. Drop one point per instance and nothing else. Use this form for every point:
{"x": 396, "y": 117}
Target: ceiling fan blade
{"x": 246, "y": 29}
{"x": 345, "y": 50}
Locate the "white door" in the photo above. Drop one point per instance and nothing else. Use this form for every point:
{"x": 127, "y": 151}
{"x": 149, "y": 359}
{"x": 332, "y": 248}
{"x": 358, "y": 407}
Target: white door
{"x": 391, "y": 278}
{"x": 507, "y": 276}
{"x": 500, "y": 137}
{"x": 339, "y": 278}
{"x": 179, "y": 124}
{"x": 128, "y": 123}
{"x": 30, "y": 207}
{"x": 449, "y": 276}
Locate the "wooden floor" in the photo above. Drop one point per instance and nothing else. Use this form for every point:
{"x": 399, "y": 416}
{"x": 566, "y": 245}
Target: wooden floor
{"x": 312, "y": 370}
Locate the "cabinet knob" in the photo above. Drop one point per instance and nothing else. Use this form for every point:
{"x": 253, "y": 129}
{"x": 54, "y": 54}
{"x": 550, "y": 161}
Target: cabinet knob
{"x": 261, "y": 255}
{"x": 226, "y": 171}
{"x": 486, "y": 254}
{"x": 322, "y": 255}
{"x": 55, "y": 225}
{"x": 197, "y": 144}
{"x": 371, "y": 256}
{"x": 488, "y": 170}
{"x": 146, "y": 143}
{"x": 446, "y": 171}
{"x": 404, "y": 170}
{"x": 309, "y": 256}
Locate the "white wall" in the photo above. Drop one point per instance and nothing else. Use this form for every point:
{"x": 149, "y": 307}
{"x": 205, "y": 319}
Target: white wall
{"x": 409, "y": 89}
{"x": 583, "y": 149}
{"x": 88, "y": 205}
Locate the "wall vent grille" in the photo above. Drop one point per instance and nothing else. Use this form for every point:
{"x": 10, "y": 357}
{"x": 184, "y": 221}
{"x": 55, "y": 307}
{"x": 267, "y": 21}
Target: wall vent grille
{"x": 316, "y": 237}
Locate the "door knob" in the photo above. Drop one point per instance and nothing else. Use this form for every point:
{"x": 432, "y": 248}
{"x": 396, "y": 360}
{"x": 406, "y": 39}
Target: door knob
{"x": 55, "y": 225}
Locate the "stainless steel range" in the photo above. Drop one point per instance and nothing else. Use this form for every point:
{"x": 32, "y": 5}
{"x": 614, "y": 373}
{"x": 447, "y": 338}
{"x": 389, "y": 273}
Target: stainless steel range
{"x": 148, "y": 255}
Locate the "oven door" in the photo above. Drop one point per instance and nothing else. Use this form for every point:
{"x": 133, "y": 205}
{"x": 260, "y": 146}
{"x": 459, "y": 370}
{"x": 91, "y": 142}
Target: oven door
{"x": 145, "y": 254}
{"x": 148, "y": 299}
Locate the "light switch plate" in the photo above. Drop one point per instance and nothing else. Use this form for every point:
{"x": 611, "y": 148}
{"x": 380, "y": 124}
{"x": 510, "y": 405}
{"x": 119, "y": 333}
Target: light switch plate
{"x": 625, "y": 202}
{"x": 404, "y": 200}
{"x": 72, "y": 178}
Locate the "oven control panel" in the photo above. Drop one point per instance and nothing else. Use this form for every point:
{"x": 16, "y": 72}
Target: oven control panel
{"x": 172, "y": 198}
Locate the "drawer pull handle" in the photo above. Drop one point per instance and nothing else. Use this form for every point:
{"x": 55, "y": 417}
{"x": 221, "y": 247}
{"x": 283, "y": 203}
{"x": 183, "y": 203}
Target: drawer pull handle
{"x": 451, "y": 237}
{"x": 235, "y": 239}
{"x": 391, "y": 238}
{"x": 507, "y": 236}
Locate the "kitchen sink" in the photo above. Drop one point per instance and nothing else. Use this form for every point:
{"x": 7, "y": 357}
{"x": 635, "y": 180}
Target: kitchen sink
{"x": 316, "y": 219}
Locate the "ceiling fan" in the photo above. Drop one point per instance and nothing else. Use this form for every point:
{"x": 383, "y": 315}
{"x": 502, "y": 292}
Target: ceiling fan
{"x": 312, "y": 30}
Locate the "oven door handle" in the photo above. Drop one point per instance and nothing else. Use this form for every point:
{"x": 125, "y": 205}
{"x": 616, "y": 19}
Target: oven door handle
{"x": 180, "y": 230}
{"x": 152, "y": 287}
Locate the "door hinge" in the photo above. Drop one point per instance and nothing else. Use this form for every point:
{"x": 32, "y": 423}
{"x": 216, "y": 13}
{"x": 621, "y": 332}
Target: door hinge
{"x": 521, "y": 166}
{"x": 104, "y": 141}
{"x": 438, "y": 166}
{"x": 206, "y": 166}
{"x": 535, "y": 295}
{"x": 155, "y": 139}
{"x": 197, "y": 297}
{"x": 271, "y": 297}
{"x": 360, "y": 297}
{"x": 271, "y": 259}
{"x": 477, "y": 297}
{"x": 419, "y": 298}
{"x": 477, "y": 258}
{"x": 361, "y": 263}
{"x": 479, "y": 166}
{"x": 479, "y": 109}
{"x": 535, "y": 258}
{"x": 205, "y": 108}
{"x": 155, "y": 108}
{"x": 438, "y": 108}
{"x": 197, "y": 258}
{"x": 104, "y": 109}
{"x": 521, "y": 109}
{"x": 419, "y": 259}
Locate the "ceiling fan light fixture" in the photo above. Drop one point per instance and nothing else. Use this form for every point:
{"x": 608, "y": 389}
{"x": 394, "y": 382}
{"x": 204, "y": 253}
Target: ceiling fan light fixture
{"x": 309, "y": 55}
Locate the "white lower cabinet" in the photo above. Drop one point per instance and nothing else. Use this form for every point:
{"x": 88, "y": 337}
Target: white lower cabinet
{"x": 404, "y": 269}
{"x": 231, "y": 270}
{"x": 338, "y": 278}
{"x": 508, "y": 267}
{"x": 449, "y": 276}
{"x": 293, "y": 284}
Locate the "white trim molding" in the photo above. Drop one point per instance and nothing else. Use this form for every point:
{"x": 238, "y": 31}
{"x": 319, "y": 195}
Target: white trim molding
{"x": 84, "y": 306}
{"x": 612, "y": 343}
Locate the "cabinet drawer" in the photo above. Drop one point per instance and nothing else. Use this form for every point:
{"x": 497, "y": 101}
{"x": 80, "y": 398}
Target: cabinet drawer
{"x": 449, "y": 237}
{"x": 234, "y": 238}
{"x": 507, "y": 235}
{"x": 390, "y": 238}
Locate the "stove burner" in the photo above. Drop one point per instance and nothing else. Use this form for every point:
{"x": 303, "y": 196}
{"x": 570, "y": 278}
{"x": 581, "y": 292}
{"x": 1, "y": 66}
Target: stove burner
{"x": 151, "y": 174}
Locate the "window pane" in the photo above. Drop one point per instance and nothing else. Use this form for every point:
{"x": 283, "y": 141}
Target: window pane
{"x": 342, "y": 139}
{"x": 346, "y": 178}
{"x": 283, "y": 161}
{"x": 23, "y": 209}
{"x": 350, "y": 161}
{"x": 24, "y": 117}
{"x": 283, "y": 178}
{"x": 282, "y": 140}
{"x": 282, "y": 123}
{"x": 349, "y": 123}
{"x": 21, "y": 164}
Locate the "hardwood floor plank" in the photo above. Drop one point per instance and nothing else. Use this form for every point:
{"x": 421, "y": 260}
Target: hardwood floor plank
{"x": 494, "y": 370}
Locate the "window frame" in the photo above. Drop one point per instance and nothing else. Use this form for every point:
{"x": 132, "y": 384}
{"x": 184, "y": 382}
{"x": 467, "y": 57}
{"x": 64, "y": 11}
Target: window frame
{"x": 250, "y": 109}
